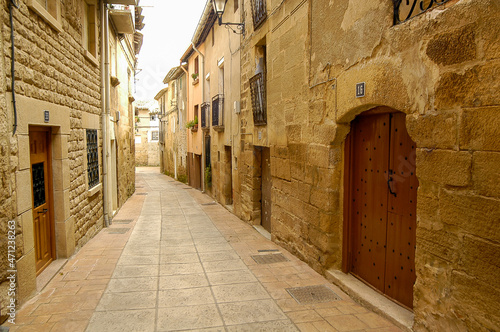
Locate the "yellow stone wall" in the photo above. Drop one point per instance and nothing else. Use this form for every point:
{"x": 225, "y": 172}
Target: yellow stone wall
{"x": 223, "y": 56}
{"x": 441, "y": 69}
{"x": 55, "y": 73}
{"x": 120, "y": 102}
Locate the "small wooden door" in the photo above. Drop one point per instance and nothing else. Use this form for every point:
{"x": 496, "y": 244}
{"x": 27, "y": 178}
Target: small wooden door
{"x": 41, "y": 178}
{"x": 266, "y": 189}
{"x": 228, "y": 176}
{"x": 382, "y": 206}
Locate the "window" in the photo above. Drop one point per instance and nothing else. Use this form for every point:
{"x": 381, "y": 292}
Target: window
{"x": 154, "y": 135}
{"x": 236, "y": 5}
{"x": 258, "y": 88}
{"x": 90, "y": 28}
{"x": 196, "y": 66}
{"x": 49, "y": 11}
{"x": 213, "y": 37}
{"x": 259, "y": 12}
{"x": 218, "y": 111}
{"x": 92, "y": 158}
{"x": 205, "y": 115}
{"x": 404, "y": 10}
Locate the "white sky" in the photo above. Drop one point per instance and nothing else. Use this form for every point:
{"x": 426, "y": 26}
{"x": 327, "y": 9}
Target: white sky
{"x": 170, "y": 25}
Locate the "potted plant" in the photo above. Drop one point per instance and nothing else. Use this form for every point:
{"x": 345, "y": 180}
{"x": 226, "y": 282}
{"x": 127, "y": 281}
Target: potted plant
{"x": 195, "y": 78}
{"x": 193, "y": 124}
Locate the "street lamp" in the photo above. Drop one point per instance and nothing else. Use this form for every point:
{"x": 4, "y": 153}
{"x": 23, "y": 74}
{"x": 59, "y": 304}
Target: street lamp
{"x": 219, "y": 7}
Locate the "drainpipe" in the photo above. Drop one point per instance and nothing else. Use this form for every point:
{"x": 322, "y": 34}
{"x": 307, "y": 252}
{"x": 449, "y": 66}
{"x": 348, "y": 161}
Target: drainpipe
{"x": 105, "y": 107}
{"x": 202, "y": 101}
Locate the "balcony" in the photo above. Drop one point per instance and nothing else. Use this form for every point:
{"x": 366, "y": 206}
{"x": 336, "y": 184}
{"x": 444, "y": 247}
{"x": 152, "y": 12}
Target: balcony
{"x": 123, "y": 19}
{"x": 205, "y": 116}
{"x": 405, "y": 10}
{"x": 258, "y": 92}
{"x": 259, "y": 12}
{"x": 218, "y": 112}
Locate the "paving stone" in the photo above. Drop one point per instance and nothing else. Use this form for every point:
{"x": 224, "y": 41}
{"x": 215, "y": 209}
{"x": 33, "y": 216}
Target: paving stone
{"x": 191, "y": 317}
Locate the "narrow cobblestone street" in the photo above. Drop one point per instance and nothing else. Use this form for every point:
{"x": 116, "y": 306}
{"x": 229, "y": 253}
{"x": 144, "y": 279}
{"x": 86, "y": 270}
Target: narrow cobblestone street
{"x": 173, "y": 260}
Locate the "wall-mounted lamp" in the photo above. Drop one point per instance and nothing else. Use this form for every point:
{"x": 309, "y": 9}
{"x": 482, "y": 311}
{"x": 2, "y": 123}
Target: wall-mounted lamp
{"x": 219, "y": 7}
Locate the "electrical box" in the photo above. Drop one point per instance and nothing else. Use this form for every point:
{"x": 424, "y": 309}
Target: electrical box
{"x": 237, "y": 108}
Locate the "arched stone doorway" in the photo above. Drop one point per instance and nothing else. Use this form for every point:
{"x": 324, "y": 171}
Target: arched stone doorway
{"x": 380, "y": 203}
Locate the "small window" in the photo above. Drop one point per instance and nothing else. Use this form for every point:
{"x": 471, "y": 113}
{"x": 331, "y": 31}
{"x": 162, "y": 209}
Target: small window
{"x": 92, "y": 158}
{"x": 213, "y": 37}
{"x": 259, "y": 12}
{"x": 196, "y": 66}
{"x": 154, "y": 135}
{"x": 90, "y": 27}
{"x": 236, "y": 5}
{"x": 49, "y": 11}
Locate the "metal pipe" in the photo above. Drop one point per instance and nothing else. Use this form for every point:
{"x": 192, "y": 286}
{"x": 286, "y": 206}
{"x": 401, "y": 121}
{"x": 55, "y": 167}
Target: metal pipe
{"x": 105, "y": 107}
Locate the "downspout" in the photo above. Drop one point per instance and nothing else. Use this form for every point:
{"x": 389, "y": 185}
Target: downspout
{"x": 105, "y": 107}
{"x": 202, "y": 101}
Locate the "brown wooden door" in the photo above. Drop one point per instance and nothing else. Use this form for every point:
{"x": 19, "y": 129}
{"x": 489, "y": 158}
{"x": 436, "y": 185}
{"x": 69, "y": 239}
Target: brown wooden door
{"x": 266, "y": 189}
{"x": 42, "y": 213}
{"x": 383, "y": 191}
{"x": 228, "y": 176}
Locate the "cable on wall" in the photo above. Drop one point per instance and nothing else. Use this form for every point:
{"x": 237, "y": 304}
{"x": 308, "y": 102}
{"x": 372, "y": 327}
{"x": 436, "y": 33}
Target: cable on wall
{"x": 13, "y": 3}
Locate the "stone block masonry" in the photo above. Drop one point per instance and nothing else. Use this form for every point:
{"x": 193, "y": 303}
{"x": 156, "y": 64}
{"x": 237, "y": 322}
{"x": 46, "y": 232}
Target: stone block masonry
{"x": 53, "y": 73}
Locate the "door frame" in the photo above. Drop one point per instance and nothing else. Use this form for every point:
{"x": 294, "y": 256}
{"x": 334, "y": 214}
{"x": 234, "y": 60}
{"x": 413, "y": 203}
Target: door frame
{"x": 50, "y": 195}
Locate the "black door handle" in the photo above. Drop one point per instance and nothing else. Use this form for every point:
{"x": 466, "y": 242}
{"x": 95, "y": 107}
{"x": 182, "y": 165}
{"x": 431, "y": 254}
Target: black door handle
{"x": 43, "y": 211}
{"x": 389, "y": 183}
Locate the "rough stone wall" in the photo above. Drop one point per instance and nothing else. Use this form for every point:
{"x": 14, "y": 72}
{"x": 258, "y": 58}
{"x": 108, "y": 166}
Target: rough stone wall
{"x": 125, "y": 126}
{"x": 440, "y": 69}
{"x": 7, "y": 173}
{"x": 51, "y": 67}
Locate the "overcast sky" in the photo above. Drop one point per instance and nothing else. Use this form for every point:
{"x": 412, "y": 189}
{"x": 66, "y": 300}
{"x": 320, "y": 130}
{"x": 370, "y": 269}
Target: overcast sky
{"x": 170, "y": 25}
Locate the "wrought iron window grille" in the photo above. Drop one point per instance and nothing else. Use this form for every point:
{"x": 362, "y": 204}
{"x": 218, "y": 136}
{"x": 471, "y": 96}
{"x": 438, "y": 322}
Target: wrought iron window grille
{"x": 218, "y": 111}
{"x": 258, "y": 93}
{"x": 205, "y": 116}
{"x": 407, "y": 9}
{"x": 92, "y": 158}
{"x": 259, "y": 12}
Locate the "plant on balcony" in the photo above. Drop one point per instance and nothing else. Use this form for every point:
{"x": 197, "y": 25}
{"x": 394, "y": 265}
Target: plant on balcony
{"x": 193, "y": 124}
{"x": 195, "y": 78}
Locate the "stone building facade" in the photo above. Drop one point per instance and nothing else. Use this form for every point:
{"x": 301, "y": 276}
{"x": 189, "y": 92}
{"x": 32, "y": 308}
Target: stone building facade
{"x": 172, "y": 102}
{"x": 51, "y": 137}
{"x": 194, "y": 62}
{"x": 367, "y": 144}
{"x": 147, "y": 134}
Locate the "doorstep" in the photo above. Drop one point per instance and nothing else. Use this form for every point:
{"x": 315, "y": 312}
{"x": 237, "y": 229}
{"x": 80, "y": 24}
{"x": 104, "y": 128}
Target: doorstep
{"x": 368, "y": 297}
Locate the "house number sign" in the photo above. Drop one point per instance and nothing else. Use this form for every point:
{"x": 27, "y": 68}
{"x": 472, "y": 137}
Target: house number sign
{"x": 46, "y": 116}
{"x": 360, "y": 90}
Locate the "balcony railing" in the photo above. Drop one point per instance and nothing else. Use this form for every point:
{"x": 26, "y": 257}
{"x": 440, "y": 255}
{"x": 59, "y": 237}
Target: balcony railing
{"x": 259, "y": 12}
{"x": 218, "y": 111}
{"x": 406, "y": 9}
{"x": 205, "y": 116}
{"x": 258, "y": 92}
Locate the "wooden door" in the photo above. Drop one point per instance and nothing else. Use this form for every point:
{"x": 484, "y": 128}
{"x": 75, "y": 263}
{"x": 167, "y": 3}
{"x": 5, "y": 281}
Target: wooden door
{"x": 43, "y": 227}
{"x": 266, "y": 189}
{"x": 382, "y": 206}
{"x": 228, "y": 176}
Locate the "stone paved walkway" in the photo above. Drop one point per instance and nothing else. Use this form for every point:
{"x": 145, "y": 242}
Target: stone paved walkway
{"x": 184, "y": 263}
